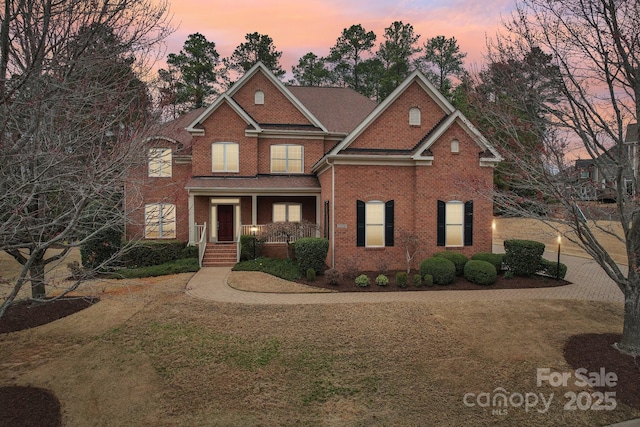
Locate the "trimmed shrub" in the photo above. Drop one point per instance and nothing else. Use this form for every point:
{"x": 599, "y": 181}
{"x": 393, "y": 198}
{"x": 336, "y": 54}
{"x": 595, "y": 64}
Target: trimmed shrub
{"x": 402, "y": 279}
{"x": 190, "y": 251}
{"x": 101, "y": 248}
{"x": 441, "y": 269}
{"x": 311, "y": 274}
{"x": 283, "y": 268}
{"x": 363, "y": 281}
{"x": 333, "y": 276}
{"x": 382, "y": 280}
{"x": 523, "y": 256}
{"x": 146, "y": 254}
{"x": 417, "y": 280}
{"x": 495, "y": 259}
{"x": 246, "y": 247}
{"x": 311, "y": 252}
{"x": 428, "y": 280}
{"x": 550, "y": 268}
{"x": 480, "y": 272}
{"x": 458, "y": 259}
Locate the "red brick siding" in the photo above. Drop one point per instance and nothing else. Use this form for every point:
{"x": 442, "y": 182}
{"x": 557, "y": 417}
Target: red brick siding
{"x": 276, "y": 108}
{"x": 391, "y": 130}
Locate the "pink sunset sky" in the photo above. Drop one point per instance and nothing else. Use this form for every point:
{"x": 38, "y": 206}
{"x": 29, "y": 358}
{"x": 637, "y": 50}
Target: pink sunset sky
{"x": 298, "y": 27}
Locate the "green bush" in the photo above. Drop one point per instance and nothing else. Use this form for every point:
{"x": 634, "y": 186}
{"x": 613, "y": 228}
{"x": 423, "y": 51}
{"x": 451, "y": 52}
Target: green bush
{"x": 246, "y": 247}
{"x": 523, "y": 257}
{"x": 382, "y": 280}
{"x": 144, "y": 254}
{"x": 417, "y": 280}
{"x": 402, "y": 279}
{"x": 311, "y": 252}
{"x": 495, "y": 259}
{"x": 190, "y": 251}
{"x": 458, "y": 259}
{"x": 283, "y": 268}
{"x": 428, "y": 280}
{"x": 363, "y": 281}
{"x": 480, "y": 272}
{"x": 101, "y": 248}
{"x": 441, "y": 269}
{"x": 550, "y": 268}
{"x": 185, "y": 265}
{"x": 311, "y": 275}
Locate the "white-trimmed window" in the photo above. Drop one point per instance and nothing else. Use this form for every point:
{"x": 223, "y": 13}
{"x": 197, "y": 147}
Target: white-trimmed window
{"x": 455, "y": 146}
{"x": 287, "y": 212}
{"x": 160, "y": 221}
{"x": 454, "y": 224}
{"x": 287, "y": 158}
{"x": 224, "y": 157}
{"x": 414, "y": 117}
{"x": 259, "y": 97}
{"x": 374, "y": 224}
{"x": 160, "y": 162}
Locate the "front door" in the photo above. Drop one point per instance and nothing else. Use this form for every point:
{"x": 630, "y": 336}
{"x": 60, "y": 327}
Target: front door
{"x": 225, "y": 223}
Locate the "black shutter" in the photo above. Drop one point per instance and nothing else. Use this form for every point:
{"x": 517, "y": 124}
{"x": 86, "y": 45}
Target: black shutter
{"x": 441, "y": 222}
{"x": 360, "y": 223}
{"x": 468, "y": 223}
{"x": 388, "y": 223}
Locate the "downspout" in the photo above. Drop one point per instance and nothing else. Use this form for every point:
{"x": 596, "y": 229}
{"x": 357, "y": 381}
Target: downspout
{"x": 333, "y": 211}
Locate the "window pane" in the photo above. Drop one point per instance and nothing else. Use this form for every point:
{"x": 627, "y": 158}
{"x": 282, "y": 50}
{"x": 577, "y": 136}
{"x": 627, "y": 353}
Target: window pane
{"x": 218, "y": 157}
{"x": 295, "y": 166}
{"x": 151, "y": 221}
{"x": 232, "y": 157}
{"x": 375, "y": 235}
{"x": 278, "y": 165}
{"x": 159, "y": 162}
{"x": 374, "y": 213}
{"x": 278, "y": 152}
{"x": 295, "y": 213}
{"x": 168, "y": 225}
{"x": 295, "y": 152}
{"x": 454, "y": 235}
{"x": 279, "y": 212}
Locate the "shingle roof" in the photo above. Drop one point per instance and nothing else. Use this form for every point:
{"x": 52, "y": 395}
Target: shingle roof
{"x": 339, "y": 109}
{"x": 175, "y": 130}
{"x": 267, "y": 182}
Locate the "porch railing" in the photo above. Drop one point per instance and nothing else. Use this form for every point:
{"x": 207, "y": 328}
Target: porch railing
{"x": 278, "y": 238}
{"x": 201, "y": 234}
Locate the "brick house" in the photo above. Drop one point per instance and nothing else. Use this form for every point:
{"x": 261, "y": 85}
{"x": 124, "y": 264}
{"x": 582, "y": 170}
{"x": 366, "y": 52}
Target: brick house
{"x": 369, "y": 175}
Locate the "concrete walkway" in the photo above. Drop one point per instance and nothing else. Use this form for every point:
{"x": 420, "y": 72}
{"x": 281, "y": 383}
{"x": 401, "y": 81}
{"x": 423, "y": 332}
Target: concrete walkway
{"x": 589, "y": 283}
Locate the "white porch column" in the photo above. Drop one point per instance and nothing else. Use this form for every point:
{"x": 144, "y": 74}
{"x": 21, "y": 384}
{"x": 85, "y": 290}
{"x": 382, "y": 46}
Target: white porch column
{"x": 192, "y": 216}
{"x": 254, "y": 209}
{"x": 319, "y": 213}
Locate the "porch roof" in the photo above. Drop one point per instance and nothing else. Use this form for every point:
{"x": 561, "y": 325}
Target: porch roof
{"x": 256, "y": 184}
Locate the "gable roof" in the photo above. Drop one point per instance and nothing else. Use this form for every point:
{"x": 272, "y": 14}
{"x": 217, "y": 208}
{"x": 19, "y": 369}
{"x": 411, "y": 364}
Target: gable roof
{"x": 228, "y": 97}
{"x": 451, "y": 116}
{"x": 195, "y": 127}
{"x": 340, "y": 109}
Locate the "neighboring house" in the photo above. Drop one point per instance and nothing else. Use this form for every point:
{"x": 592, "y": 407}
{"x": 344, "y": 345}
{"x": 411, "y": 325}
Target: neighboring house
{"x": 370, "y": 175}
{"x": 596, "y": 179}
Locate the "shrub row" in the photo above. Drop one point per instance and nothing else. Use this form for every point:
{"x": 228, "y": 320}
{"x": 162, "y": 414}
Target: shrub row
{"x": 155, "y": 253}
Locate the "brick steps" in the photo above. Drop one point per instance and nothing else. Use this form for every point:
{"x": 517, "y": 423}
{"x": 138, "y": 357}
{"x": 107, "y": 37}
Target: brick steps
{"x": 220, "y": 255}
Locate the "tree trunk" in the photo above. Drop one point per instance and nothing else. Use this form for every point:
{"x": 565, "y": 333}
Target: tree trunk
{"x": 36, "y": 273}
{"x": 630, "y": 342}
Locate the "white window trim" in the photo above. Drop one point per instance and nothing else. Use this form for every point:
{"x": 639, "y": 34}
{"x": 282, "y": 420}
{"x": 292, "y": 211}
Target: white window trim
{"x": 286, "y": 211}
{"x": 286, "y": 159}
{"x": 447, "y": 223}
{"x": 259, "y": 97}
{"x": 367, "y": 224}
{"x": 160, "y": 207}
{"x": 455, "y": 146}
{"x": 163, "y": 168}
{"x": 225, "y": 168}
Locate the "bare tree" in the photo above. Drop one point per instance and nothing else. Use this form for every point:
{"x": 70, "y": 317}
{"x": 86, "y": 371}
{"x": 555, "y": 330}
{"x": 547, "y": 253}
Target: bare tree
{"x": 583, "y": 107}
{"x": 71, "y": 111}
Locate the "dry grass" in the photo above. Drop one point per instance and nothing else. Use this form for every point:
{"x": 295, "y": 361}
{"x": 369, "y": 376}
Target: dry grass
{"x": 155, "y": 356}
{"x": 148, "y": 354}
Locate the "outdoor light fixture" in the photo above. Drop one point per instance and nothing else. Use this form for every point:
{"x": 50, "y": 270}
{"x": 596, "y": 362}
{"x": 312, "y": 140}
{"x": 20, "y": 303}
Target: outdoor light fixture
{"x": 254, "y": 229}
{"x": 558, "y": 265}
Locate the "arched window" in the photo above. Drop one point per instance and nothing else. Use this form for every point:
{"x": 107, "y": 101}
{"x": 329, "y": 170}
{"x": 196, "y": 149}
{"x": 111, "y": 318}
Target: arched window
{"x": 259, "y": 97}
{"x": 455, "y": 146}
{"x": 414, "y": 116}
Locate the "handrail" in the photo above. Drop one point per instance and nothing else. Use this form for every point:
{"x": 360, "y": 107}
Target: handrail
{"x": 247, "y": 230}
{"x": 202, "y": 244}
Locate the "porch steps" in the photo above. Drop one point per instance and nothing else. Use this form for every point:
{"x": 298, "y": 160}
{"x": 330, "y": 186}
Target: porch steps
{"x": 220, "y": 255}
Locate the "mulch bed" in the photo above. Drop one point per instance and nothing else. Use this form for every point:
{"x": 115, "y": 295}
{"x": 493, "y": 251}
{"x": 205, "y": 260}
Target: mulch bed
{"x": 29, "y": 407}
{"x": 595, "y": 351}
{"x": 28, "y": 314}
{"x": 461, "y": 284}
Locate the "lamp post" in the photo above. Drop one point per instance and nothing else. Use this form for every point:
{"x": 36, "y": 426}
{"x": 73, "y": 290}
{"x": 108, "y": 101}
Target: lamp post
{"x": 558, "y": 265}
{"x": 254, "y": 229}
